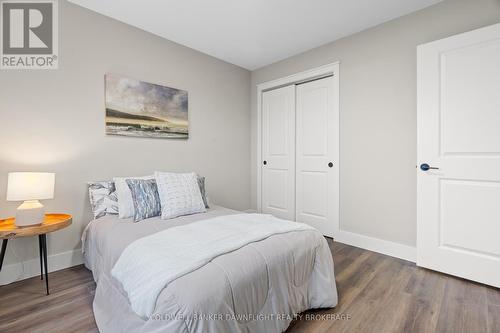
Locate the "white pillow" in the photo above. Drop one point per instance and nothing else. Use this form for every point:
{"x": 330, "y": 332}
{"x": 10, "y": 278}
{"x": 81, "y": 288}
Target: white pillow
{"x": 179, "y": 194}
{"x": 125, "y": 202}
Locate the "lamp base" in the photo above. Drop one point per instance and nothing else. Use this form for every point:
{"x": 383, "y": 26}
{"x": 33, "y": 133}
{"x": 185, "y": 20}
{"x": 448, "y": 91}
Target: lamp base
{"x": 30, "y": 212}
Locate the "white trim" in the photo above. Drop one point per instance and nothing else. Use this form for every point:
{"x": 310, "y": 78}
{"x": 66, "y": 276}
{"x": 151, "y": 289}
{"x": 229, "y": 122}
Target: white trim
{"x": 389, "y": 248}
{"x": 15, "y": 272}
{"x": 301, "y": 76}
{"x": 329, "y": 69}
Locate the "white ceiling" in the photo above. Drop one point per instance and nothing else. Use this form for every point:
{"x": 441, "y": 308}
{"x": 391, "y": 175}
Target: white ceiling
{"x": 254, "y": 33}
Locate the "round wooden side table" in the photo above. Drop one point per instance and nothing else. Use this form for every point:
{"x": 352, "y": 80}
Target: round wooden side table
{"x": 52, "y": 222}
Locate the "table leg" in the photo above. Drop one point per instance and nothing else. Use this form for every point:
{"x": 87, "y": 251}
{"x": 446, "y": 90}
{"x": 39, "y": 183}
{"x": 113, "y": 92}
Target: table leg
{"x": 44, "y": 246}
{"x": 2, "y": 254}
{"x": 40, "y": 249}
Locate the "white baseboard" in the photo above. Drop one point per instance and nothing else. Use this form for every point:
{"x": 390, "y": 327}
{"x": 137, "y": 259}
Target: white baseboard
{"x": 15, "y": 272}
{"x": 389, "y": 248}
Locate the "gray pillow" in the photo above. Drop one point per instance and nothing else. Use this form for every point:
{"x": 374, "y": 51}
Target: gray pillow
{"x": 103, "y": 199}
{"x": 145, "y": 197}
{"x": 201, "y": 184}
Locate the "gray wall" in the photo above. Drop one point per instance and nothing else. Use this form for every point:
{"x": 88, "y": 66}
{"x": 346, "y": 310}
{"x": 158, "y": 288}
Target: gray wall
{"x": 54, "y": 120}
{"x": 378, "y": 112}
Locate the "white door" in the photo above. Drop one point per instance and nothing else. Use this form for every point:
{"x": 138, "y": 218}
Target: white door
{"x": 458, "y": 205}
{"x": 317, "y": 155}
{"x": 278, "y": 152}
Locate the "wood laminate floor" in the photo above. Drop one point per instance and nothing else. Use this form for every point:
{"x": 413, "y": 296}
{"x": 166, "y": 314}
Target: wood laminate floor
{"x": 377, "y": 293}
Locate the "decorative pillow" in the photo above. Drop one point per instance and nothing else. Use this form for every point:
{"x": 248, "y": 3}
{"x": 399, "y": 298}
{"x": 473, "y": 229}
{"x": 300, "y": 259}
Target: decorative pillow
{"x": 145, "y": 197}
{"x": 179, "y": 194}
{"x": 201, "y": 184}
{"x": 125, "y": 202}
{"x": 103, "y": 199}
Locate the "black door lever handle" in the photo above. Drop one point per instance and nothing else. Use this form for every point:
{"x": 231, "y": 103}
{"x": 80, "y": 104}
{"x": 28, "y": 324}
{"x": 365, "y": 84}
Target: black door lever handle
{"x": 427, "y": 167}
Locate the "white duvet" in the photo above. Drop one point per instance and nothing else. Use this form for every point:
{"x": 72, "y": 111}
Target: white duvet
{"x": 149, "y": 264}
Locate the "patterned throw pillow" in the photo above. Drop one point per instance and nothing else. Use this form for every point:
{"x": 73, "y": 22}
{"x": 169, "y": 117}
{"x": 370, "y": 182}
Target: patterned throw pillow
{"x": 125, "y": 202}
{"x": 145, "y": 197}
{"x": 103, "y": 199}
{"x": 201, "y": 184}
{"x": 179, "y": 194}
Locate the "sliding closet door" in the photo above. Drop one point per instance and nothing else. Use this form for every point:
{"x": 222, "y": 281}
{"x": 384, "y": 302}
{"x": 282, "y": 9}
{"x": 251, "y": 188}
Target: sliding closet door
{"x": 278, "y": 152}
{"x": 317, "y": 155}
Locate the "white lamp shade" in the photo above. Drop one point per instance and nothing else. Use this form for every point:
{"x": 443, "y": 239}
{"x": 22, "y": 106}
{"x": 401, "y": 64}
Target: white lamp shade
{"x": 30, "y": 186}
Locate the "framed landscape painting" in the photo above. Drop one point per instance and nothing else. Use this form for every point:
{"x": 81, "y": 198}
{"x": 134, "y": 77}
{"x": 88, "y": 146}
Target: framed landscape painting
{"x": 141, "y": 109}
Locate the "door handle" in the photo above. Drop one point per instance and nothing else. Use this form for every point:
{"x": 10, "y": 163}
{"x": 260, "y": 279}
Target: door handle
{"x": 330, "y": 165}
{"x": 427, "y": 167}
{"x": 265, "y": 162}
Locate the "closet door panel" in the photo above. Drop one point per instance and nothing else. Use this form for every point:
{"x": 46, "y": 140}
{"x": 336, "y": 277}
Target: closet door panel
{"x": 278, "y": 152}
{"x": 313, "y": 120}
{"x": 313, "y": 194}
{"x": 316, "y": 142}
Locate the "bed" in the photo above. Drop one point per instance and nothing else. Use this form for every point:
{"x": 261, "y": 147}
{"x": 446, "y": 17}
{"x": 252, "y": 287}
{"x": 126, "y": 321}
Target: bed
{"x": 256, "y": 288}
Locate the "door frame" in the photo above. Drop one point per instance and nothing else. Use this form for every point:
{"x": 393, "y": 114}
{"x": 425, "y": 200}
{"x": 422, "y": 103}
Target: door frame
{"x": 332, "y": 69}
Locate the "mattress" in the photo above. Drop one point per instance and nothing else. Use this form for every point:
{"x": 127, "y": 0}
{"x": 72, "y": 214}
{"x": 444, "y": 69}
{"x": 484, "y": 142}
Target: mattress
{"x": 257, "y": 288}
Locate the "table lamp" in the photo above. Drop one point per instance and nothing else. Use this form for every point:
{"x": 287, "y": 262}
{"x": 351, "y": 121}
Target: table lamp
{"x": 30, "y": 187}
